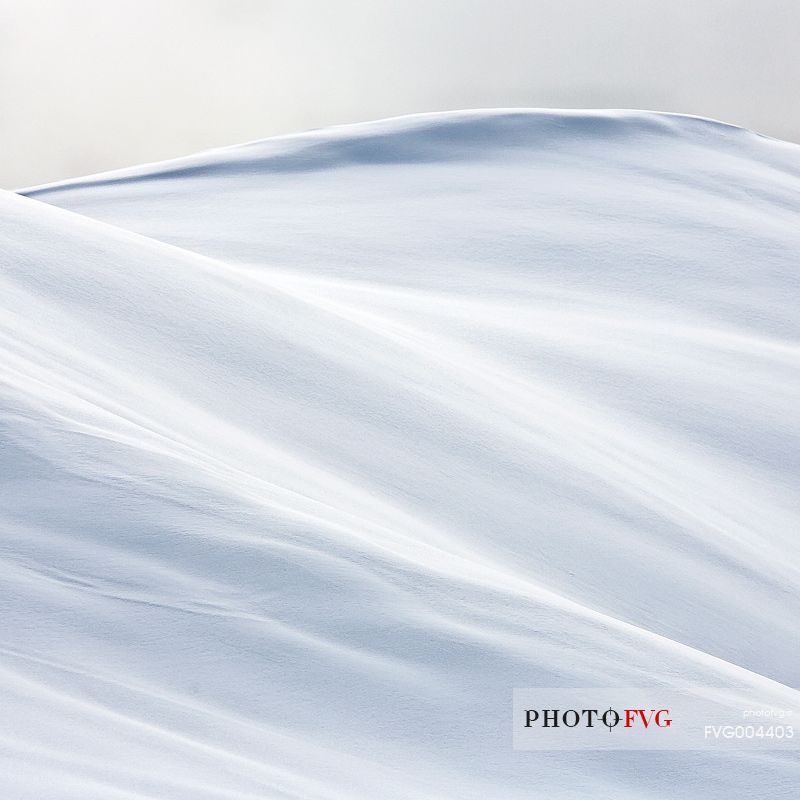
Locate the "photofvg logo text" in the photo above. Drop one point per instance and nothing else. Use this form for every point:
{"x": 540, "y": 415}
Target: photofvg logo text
{"x": 697, "y": 718}
{"x": 610, "y": 718}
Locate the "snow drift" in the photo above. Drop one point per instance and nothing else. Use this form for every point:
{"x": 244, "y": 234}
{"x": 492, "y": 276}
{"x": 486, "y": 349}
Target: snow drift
{"x": 314, "y": 448}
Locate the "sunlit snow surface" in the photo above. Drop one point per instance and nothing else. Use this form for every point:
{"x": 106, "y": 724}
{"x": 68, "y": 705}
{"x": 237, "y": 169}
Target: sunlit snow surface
{"x": 314, "y": 448}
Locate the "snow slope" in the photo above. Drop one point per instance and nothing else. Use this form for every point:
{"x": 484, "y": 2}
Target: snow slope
{"x": 315, "y": 447}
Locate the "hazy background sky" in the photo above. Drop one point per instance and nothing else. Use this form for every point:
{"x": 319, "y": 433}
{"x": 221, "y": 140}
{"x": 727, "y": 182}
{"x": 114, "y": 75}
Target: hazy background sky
{"x": 88, "y": 85}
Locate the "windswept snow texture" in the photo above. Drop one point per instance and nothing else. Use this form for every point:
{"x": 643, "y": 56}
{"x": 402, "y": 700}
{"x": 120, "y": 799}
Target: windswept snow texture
{"x": 314, "y": 448}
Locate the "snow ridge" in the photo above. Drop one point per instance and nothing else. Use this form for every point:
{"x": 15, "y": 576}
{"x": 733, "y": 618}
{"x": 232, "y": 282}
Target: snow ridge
{"x": 318, "y": 446}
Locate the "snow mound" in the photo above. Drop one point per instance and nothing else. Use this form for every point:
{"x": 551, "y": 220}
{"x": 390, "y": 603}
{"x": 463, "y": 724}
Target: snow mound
{"x": 316, "y": 447}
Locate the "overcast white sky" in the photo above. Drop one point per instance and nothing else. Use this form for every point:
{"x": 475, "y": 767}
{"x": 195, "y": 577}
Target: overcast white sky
{"x": 88, "y": 85}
